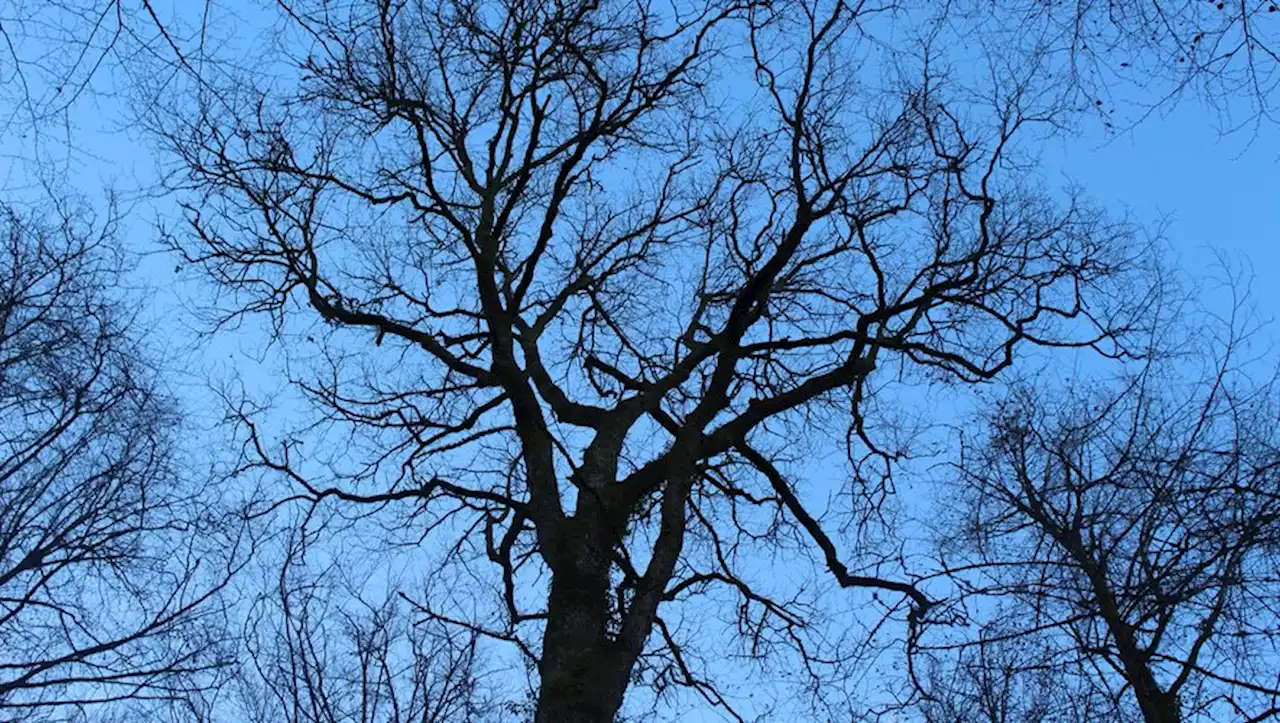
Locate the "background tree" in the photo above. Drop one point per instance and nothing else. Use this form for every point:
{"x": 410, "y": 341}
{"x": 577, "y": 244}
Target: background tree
{"x": 1003, "y": 681}
{"x": 338, "y": 645}
{"x": 1130, "y": 527}
{"x": 1136, "y": 58}
{"x": 106, "y": 590}
{"x": 58, "y": 57}
{"x": 587, "y": 274}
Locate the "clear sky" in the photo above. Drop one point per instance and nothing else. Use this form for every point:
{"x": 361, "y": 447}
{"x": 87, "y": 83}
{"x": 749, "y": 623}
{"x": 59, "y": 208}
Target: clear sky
{"x": 1217, "y": 193}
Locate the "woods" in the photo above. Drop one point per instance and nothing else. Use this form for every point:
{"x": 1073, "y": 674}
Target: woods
{"x": 1129, "y": 528}
{"x": 596, "y": 340}
{"x": 105, "y": 592}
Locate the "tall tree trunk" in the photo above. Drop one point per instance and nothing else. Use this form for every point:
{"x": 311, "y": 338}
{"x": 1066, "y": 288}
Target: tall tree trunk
{"x": 584, "y": 670}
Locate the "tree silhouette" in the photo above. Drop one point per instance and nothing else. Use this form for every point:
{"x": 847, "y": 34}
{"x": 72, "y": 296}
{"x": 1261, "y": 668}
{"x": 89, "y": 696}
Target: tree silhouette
{"x": 1131, "y": 528}
{"x": 1142, "y": 56}
{"x": 105, "y": 591}
{"x": 567, "y": 284}
{"x": 331, "y": 645}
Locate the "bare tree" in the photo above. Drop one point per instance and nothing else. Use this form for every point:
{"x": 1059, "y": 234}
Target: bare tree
{"x": 1145, "y": 55}
{"x": 1004, "y": 681}
{"x": 1132, "y": 529}
{"x": 104, "y": 590}
{"x": 578, "y": 306}
{"x": 336, "y": 644}
{"x": 56, "y": 55}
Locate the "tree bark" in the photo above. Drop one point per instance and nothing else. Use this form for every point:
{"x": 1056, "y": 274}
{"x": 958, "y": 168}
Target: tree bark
{"x": 584, "y": 670}
{"x": 1157, "y": 706}
{"x": 1163, "y": 708}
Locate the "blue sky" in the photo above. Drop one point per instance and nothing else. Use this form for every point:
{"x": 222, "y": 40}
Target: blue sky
{"x": 1215, "y": 192}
